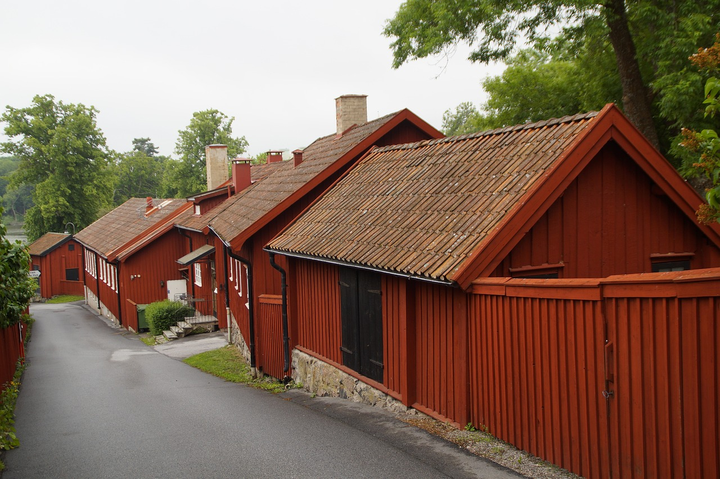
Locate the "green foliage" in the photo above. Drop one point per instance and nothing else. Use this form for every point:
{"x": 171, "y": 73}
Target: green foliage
{"x": 144, "y": 145}
{"x": 8, "y": 398}
{"x": 17, "y": 287}
{"x": 163, "y": 314}
{"x": 704, "y": 147}
{"x": 63, "y": 154}
{"x": 137, "y": 175}
{"x": 578, "y": 68}
{"x": 227, "y": 363}
{"x": 64, "y": 298}
{"x": 188, "y": 176}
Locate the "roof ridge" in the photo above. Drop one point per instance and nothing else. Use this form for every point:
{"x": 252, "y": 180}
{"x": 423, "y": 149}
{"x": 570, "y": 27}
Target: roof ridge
{"x": 495, "y": 131}
{"x": 378, "y": 119}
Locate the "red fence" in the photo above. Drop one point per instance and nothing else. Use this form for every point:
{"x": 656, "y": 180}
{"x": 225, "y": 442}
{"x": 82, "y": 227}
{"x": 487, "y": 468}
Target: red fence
{"x": 11, "y": 349}
{"x": 607, "y": 378}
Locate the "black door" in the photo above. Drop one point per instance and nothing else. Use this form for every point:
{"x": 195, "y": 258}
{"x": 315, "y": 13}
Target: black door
{"x": 361, "y": 309}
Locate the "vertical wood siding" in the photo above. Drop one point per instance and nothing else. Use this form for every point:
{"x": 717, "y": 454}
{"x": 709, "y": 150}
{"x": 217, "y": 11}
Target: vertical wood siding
{"x": 270, "y": 335}
{"x": 596, "y": 231}
{"x": 11, "y": 349}
{"x": 544, "y": 352}
{"x": 317, "y": 312}
{"x": 440, "y": 351}
{"x": 536, "y": 373}
{"x": 52, "y": 270}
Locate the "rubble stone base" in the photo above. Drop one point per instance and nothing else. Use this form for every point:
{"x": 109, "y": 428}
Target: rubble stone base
{"x": 323, "y": 379}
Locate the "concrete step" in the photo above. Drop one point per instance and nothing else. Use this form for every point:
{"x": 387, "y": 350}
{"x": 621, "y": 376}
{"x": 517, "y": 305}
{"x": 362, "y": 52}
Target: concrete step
{"x": 179, "y": 332}
{"x": 170, "y": 335}
{"x": 186, "y": 326}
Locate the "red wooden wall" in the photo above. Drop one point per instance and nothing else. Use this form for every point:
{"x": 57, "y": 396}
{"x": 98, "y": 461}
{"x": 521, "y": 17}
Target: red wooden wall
{"x": 52, "y": 270}
{"x": 609, "y": 221}
{"x": 543, "y": 352}
{"x": 11, "y": 349}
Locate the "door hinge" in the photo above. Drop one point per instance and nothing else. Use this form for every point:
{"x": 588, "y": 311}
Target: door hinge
{"x": 608, "y": 394}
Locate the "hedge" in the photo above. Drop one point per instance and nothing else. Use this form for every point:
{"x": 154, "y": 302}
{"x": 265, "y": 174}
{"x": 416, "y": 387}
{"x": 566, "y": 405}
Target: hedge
{"x": 163, "y": 314}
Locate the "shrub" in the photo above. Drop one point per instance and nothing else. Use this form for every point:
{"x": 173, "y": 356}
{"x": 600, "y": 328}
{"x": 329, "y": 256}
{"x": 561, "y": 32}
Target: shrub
{"x": 163, "y": 314}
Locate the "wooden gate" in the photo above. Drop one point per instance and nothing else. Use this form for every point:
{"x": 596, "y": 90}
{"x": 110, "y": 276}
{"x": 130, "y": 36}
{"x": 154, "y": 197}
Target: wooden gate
{"x": 269, "y": 351}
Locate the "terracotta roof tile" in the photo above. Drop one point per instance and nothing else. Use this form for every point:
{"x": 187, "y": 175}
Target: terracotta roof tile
{"x": 250, "y": 205}
{"x": 422, "y": 209}
{"x": 124, "y": 223}
{"x": 47, "y": 242}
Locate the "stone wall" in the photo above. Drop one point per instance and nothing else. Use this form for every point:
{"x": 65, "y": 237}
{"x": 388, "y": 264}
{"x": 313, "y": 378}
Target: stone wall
{"x": 322, "y": 379}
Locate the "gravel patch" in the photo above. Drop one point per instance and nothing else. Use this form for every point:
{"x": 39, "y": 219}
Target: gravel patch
{"x": 488, "y": 446}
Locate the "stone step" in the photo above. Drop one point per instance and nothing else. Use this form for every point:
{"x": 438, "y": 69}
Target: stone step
{"x": 186, "y": 326}
{"x": 179, "y": 332}
{"x": 170, "y": 335}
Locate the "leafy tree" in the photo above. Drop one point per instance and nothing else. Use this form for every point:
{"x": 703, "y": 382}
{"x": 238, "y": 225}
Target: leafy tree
{"x": 63, "y": 153}
{"x": 137, "y": 175}
{"x": 650, "y": 41}
{"x": 704, "y": 146}
{"x": 188, "y": 176}
{"x": 18, "y": 200}
{"x": 144, "y": 145}
{"x": 17, "y": 286}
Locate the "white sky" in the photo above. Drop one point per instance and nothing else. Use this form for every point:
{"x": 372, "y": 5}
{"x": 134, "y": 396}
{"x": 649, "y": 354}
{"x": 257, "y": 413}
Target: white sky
{"x": 275, "y": 66}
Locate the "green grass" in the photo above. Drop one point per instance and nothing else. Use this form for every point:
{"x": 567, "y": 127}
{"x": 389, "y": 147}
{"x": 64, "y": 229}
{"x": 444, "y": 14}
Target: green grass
{"x": 227, "y": 363}
{"x": 65, "y": 298}
{"x": 150, "y": 340}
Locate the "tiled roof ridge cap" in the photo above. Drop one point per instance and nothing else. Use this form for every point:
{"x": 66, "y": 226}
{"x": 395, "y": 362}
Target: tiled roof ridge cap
{"x": 496, "y": 131}
{"x": 355, "y": 127}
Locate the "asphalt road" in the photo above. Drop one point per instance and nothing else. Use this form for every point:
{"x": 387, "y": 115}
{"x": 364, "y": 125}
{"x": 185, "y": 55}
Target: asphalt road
{"x": 96, "y": 402}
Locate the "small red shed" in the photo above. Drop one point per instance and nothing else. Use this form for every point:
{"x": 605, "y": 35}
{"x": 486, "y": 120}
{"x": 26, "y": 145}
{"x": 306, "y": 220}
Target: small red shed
{"x": 472, "y": 278}
{"x": 58, "y": 259}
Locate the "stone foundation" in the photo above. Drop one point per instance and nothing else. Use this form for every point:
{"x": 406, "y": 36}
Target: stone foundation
{"x": 236, "y": 337}
{"x": 322, "y": 379}
{"x": 92, "y": 301}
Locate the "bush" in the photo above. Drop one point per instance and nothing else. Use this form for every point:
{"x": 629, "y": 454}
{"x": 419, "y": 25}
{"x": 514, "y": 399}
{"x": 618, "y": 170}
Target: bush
{"x": 163, "y": 314}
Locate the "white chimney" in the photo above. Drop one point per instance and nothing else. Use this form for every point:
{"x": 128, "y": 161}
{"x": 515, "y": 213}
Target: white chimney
{"x": 216, "y": 160}
{"x": 350, "y": 110}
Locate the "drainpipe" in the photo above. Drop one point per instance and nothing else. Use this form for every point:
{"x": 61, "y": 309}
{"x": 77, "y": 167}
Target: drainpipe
{"x": 227, "y": 296}
{"x": 192, "y": 282}
{"x": 251, "y": 308}
{"x": 283, "y": 286}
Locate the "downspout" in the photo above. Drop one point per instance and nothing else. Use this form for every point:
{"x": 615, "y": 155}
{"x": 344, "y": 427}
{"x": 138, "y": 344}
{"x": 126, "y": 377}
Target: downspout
{"x": 283, "y": 286}
{"x": 227, "y": 296}
{"x": 192, "y": 282}
{"x": 84, "y": 271}
{"x": 251, "y": 308}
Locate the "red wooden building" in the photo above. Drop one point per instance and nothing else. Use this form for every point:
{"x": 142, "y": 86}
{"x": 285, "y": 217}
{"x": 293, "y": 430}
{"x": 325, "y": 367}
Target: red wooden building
{"x": 118, "y": 273}
{"x": 505, "y": 279}
{"x": 58, "y": 258}
{"x": 243, "y": 224}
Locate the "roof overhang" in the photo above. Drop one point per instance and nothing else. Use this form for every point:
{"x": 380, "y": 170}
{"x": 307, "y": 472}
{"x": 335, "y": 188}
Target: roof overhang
{"x": 348, "y": 264}
{"x": 197, "y": 255}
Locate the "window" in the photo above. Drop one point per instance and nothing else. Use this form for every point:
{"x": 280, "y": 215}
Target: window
{"x": 197, "y": 209}
{"x": 543, "y": 271}
{"x": 71, "y": 247}
{"x": 662, "y": 267}
{"x": 72, "y": 274}
{"x": 198, "y": 274}
{"x": 361, "y": 313}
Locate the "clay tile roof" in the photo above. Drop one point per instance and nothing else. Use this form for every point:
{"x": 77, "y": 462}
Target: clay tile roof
{"x": 47, "y": 242}
{"x": 250, "y": 205}
{"x": 188, "y": 219}
{"x": 422, "y": 209}
{"x": 124, "y": 223}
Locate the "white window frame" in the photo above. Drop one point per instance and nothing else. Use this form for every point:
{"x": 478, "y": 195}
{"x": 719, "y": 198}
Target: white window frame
{"x": 198, "y": 274}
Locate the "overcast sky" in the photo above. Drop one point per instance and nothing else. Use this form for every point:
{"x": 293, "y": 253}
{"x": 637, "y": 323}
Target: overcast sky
{"x": 275, "y": 66}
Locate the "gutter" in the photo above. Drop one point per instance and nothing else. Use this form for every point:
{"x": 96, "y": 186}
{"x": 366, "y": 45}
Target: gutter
{"x": 286, "y": 339}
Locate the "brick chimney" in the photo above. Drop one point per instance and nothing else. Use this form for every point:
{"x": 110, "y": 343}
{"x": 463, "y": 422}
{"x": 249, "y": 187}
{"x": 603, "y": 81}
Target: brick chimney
{"x": 216, "y": 161}
{"x": 297, "y": 157}
{"x": 241, "y": 177}
{"x": 148, "y": 204}
{"x": 350, "y": 110}
{"x": 274, "y": 156}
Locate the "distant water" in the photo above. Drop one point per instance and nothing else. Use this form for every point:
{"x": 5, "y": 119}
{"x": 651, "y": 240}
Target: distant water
{"x": 16, "y": 234}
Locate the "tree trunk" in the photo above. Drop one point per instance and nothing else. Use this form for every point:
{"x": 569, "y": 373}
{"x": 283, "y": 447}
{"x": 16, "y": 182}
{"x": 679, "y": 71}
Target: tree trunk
{"x": 636, "y": 101}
